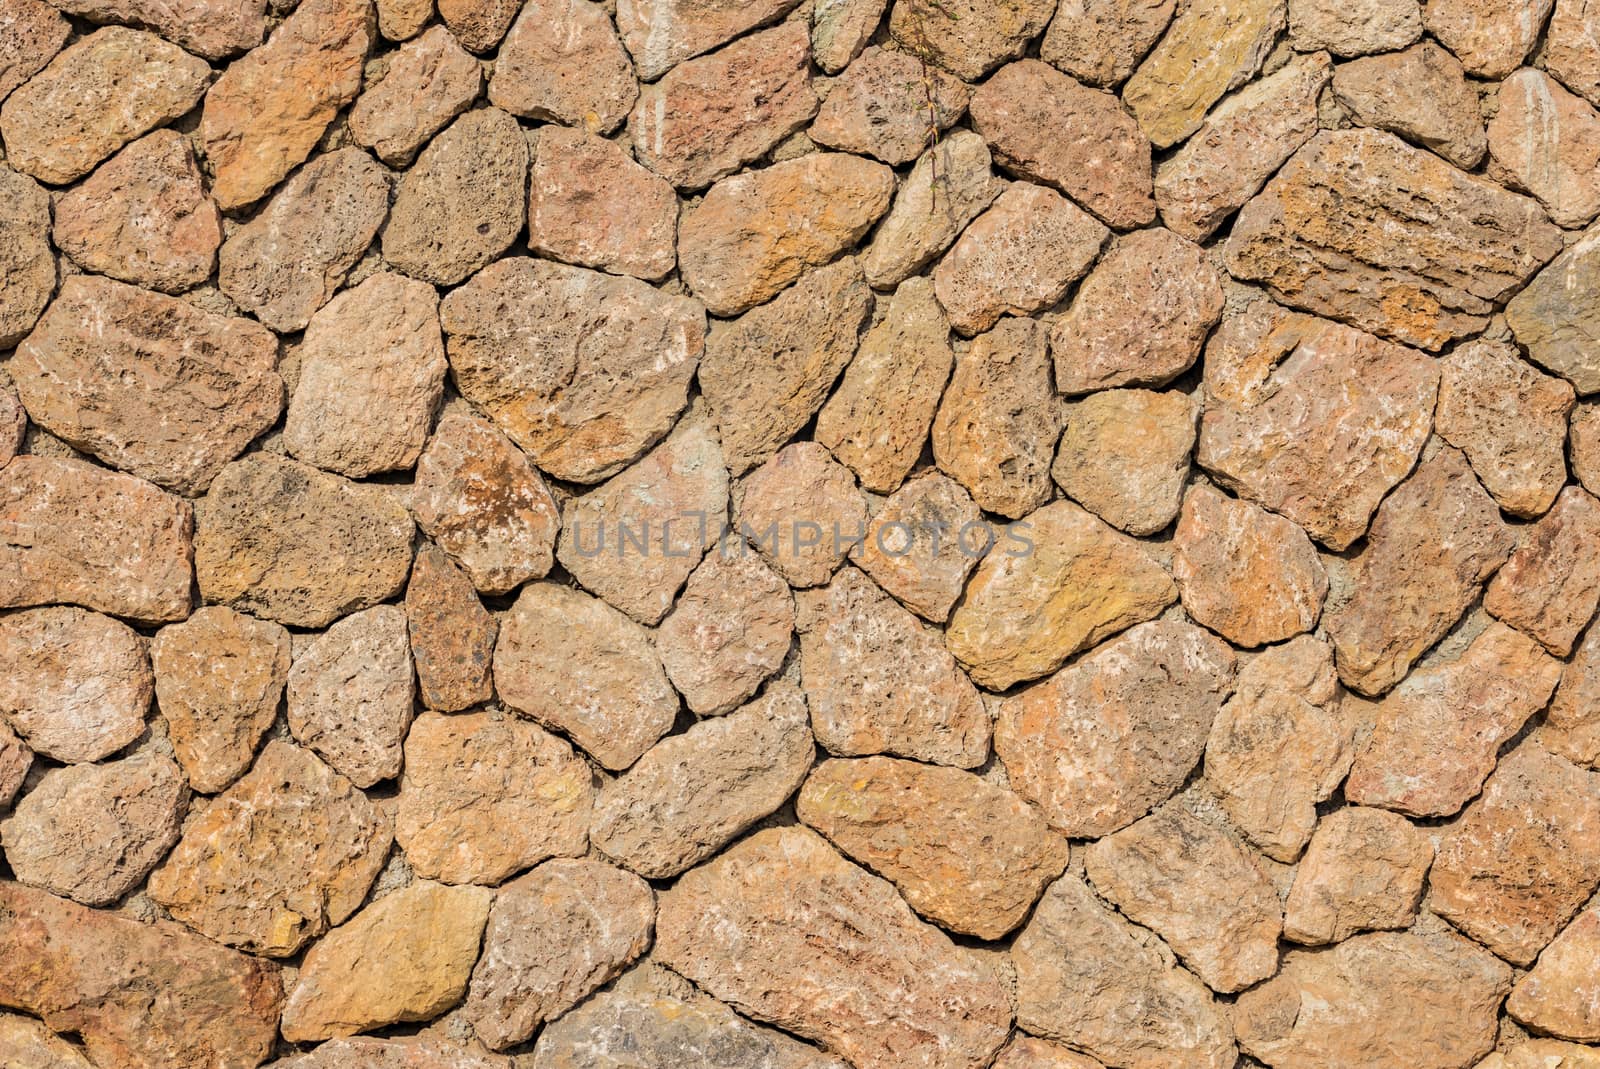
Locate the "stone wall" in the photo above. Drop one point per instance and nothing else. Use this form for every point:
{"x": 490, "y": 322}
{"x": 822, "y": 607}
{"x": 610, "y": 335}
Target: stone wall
{"x": 783, "y": 534}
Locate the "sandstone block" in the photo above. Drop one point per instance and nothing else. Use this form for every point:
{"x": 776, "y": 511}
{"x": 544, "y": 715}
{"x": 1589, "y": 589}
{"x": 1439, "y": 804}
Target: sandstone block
{"x": 1422, "y": 94}
{"x": 799, "y": 510}
{"x": 431, "y": 80}
{"x": 590, "y": 204}
{"x": 923, "y": 543}
{"x": 452, "y": 634}
{"x": 561, "y": 62}
{"x": 1363, "y": 870}
{"x": 1550, "y": 587}
{"x": 1124, "y": 456}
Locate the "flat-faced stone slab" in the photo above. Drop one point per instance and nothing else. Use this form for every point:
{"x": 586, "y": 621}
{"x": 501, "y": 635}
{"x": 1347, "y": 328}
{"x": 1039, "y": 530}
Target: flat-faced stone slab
{"x": 34, "y": 35}
{"x": 1550, "y": 587}
{"x": 923, "y": 543}
{"x": 969, "y": 38}
{"x": 562, "y": 62}
{"x": 452, "y": 634}
{"x": 728, "y": 632}
{"x": 29, "y": 275}
{"x": 880, "y": 106}
{"x": 1546, "y": 141}
{"x": 430, "y": 81}
{"x": 1354, "y": 29}
{"x": 1422, "y": 94}
{"x": 1571, "y": 52}
{"x": 1554, "y": 317}
{"x": 1490, "y": 36}
{"x": 590, "y": 204}
{"x": 1363, "y": 870}
{"x": 800, "y": 511}
{"x": 1124, "y": 456}
{"x": 948, "y": 187}
{"x": 351, "y": 692}
{"x": 1572, "y": 723}
{"x": 210, "y": 28}
{"x": 1555, "y": 995}
{"x": 662, "y": 33}
{"x": 1101, "y": 42}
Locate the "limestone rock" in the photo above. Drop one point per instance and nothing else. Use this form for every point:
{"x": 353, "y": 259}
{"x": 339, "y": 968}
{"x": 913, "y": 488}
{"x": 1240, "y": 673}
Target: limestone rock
{"x": 485, "y": 795}
{"x": 1357, "y": 29}
{"x": 452, "y": 634}
{"x": 464, "y": 201}
{"x": 143, "y": 217}
{"x": 923, "y": 543}
{"x": 1125, "y": 456}
{"x": 35, "y": 32}
{"x": 1542, "y": 1054}
{"x": 148, "y": 383}
{"x": 554, "y": 936}
{"x": 430, "y": 81}
{"x": 1572, "y": 723}
{"x": 1546, "y": 141}
{"x": 950, "y": 185}
{"x": 16, "y": 758}
{"x": 286, "y": 852}
{"x": 1571, "y": 53}
{"x": 591, "y": 204}
{"x": 562, "y": 62}
{"x": 662, "y": 33}
{"x": 969, "y": 38}
{"x": 1363, "y": 870}
{"x": 1422, "y": 94}
{"x": 205, "y": 27}
{"x": 728, "y": 632}
{"x": 27, "y": 1042}
{"x": 1583, "y": 445}
{"x": 272, "y": 106}
{"x": 880, "y": 106}
{"x": 29, "y": 267}
{"x": 1491, "y": 36}
{"x": 1105, "y": 740}
{"x": 841, "y": 28}
{"x": 1554, "y": 316}
{"x": 407, "y": 1052}
{"x": 218, "y": 678}
{"x": 1101, "y": 41}
{"x": 1556, "y": 995}
{"x": 477, "y": 24}
{"x": 1550, "y": 587}
{"x": 1061, "y": 582}
{"x": 798, "y": 918}
{"x": 103, "y": 91}
{"x": 583, "y": 370}
{"x": 800, "y": 510}
{"x": 351, "y": 691}
{"x": 293, "y": 544}
{"x": 691, "y": 794}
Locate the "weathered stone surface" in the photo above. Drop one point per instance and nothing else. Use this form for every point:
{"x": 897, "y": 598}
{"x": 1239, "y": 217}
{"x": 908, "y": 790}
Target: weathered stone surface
{"x": 1101, "y": 41}
{"x": 1125, "y": 456}
{"x": 1572, "y": 723}
{"x": 1557, "y": 995}
{"x": 13, "y": 423}
{"x": 923, "y": 543}
{"x": 576, "y": 665}
{"x": 485, "y": 795}
{"x": 72, "y": 532}
{"x": 205, "y": 27}
{"x": 728, "y": 632}
{"x": 371, "y": 377}
{"x": 841, "y": 28}
{"x": 452, "y": 634}
{"x": 1026, "y": 1052}
{"x": 1140, "y": 317}
{"x": 1524, "y": 857}
{"x": 1363, "y": 870}
{"x": 590, "y": 204}
{"x": 1551, "y": 585}
{"x": 29, "y": 267}
{"x": 484, "y": 503}
{"x": 276, "y": 859}
{"x": 1105, "y": 740}
{"x": 691, "y": 794}
{"x": 583, "y": 370}
{"x": 478, "y": 24}
{"x": 1046, "y": 127}
{"x": 16, "y": 758}
{"x": 662, "y": 33}
{"x": 288, "y": 542}
{"x": 1422, "y": 94}
{"x": 881, "y": 107}
{"x": 554, "y": 936}
{"x": 1491, "y": 36}
{"x": 1546, "y": 141}
{"x": 1554, "y": 316}
{"x": 1583, "y": 445}
{"x": 285, "y": 263}
{"x": 35, "y": 32}
{"x": 1571, "y": 52}
{"x": 1354, "y": 29}
{"x": 1017, "y": 258}
{"x": 1361, "y": 227}
{"x": 271, "y": 106}
{"x": 562, "y": 61}
{"x": 1242, "y": 143}
{"x": 1089, "y": 978}
{"x": 768, "y": 372}
{"x": 407, "y": 1052}
{"x": 93, "y": 832}
{"x": 430, "y": 81}
{"x": 401, "y": 20}
{"x": 25, "y": 1041}
{"x": 351, "y": 691}
{"x": 799, "y": 918}
{"x": 635, "y": 539}
{"x": 1336, "y": 1007}
{"x": 1058, "y": 585}
{"x": 76, "y": 685}
{"x": 218, "y": 678}
{"x": 950, "y": 185}
{"x": 143, "y": 217}
{"x": 1281, "y": 429}
{"x": 1210, "y": 49}
{"x": 1542, "y": 1054}
{"x": 1280, "y": 746}
{"x": 1433, "y": 543}
{"x": 968, "y": 855}
{"x": 969, "y": 38}
{"x": 711, "y": 116}
{"x": 144, "y": 996}
{"x": 800, "y": 511}
{"x": 464, "y": 201}
{"x": 148, "y": 383}
{"x": 105, "y": 90}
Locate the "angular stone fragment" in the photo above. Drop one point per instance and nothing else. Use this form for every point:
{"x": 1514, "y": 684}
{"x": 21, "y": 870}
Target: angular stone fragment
{"x": 13, "y": 424}
{"x": 585, "y": 371}
{"x": 1571, "y": 51}
{"x": 1572, "y": 723}
{"x": 1140, "y": 317}
{"x": 278, "y": 858}
{"x": 923, "y": 543}
{"x": 143, "y": 217}
{"x": 1555, "y": 317}
{"x": 1557, "y": 995}
{"x": 969, "y": 856}
{"x": 1525, "y": 856}
{"x": 148, "y": 383}
{"x": 25, "y": 1041}
{"x": 464, "y": 201}
{"x": 207, "y": 28}
{"x": 1125, "y": 456}
{"x": 1550, "y": 587}
{"x": 1354, "y": 29}
{"x": 16, "y": 758}
{"x": 1491, "y": 36}
{"x": 72, "y": 532}
{"x": 562, "y": 61}
{"x": 76, "y": 685}
{"x": 635, "y": 539}
{"x": 885, "y": 106}
{"x": 1060, "y": 582}
{"x": 1337, "y": 1007}
{"x": 576, "y": 665}
{"x": 371, "y": 377}
{"x": 1361, "y": 227}
{"x": 841, "y": 28}
{"x": 1210, "y": 49}
{"x": 407, "y": 1052}
{"x": 1281, "y": 745}
{"x": 271, "y": 107}
{"x": 93, "y": 832}
{"x": 801, "y": 511}
{"x": 1422, "y": 94}
{"x": 662, "y": 33}
{"x": 1242, "y": 143}
{"x": 218, "y": 678}
{"x": 27, "y": 266}
{"x": 1583, "y": 445}
{"x": 452, "y": 634}
{"x": 485, "y": 795}
{"x": 1546, "y": 141}
{"x": 950, "y": 185}
{"x": 1363, "y": 870}
{"x": 430, "y": 81}
{"x": 1017, "y": 258}
{"x": 478, "y": 24}
{"x": 691, "y": 794}
{"x": 711, "y": 116}
{"x": 728, "y": 632}
{"x": 293, "y": 544}
{"x": 105, "y": 90}
{"x": 140, "y": 996}
{"x": 591, "y": 204}
{"x": 1542, "y": 1054}
{"x": 351, "y": 691}
{"x": 1089, "y": 978}
{"x": 554, "y": 936}
{"x": 1102, "y": 742}
{"x": 35, "y": 32}
{"x": 1282, "y": 429}
{"x": 767, "y": 373}
{"x": 1101, "y": 41}
{"x": 798, "y": 918}
{"x": 970, "y": 38}
{"x": 401, "y": 20}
